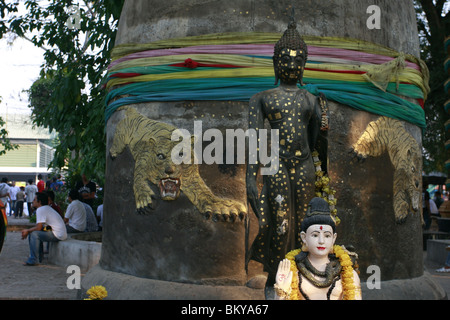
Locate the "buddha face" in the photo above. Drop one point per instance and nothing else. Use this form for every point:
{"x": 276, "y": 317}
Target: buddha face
{"x": 319, "y": 239}
{"x": 289, "y": 66}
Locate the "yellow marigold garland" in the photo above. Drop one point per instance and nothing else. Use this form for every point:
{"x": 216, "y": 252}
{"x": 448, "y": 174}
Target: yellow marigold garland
{"x": 97, "y": 293}
{"x": 295, "y": 292}
{"x": 348, "y": 286}
{"x": 323, "y": 189}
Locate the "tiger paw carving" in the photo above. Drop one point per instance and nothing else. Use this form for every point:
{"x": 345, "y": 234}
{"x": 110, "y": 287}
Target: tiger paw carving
{"x": 223, "y": 210}
{"x": 389, "y": 135}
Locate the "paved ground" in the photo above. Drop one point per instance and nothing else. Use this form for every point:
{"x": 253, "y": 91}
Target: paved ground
{"x": 442, "y": 278}
{"x": 49, "y": 282}
{"x": 23, "y": 282}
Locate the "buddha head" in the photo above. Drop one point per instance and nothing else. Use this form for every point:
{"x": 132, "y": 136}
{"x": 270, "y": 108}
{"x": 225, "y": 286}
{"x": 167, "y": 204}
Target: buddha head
{"x": 290, "y": 57}
{"x": 318, "y": 228}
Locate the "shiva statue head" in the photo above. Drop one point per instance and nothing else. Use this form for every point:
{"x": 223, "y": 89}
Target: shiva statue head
{"x": 318, "y": 228}
{"x": 290, "y": 55}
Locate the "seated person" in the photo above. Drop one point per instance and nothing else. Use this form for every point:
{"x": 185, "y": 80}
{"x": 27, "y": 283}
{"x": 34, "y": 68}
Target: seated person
{"x": 320, "y": 270}
{"x": 75, "y": 217}
{"x": 100, "y": 217}
{"x": 53, "y": 204}
{"x": 44, "y": 215}
{"x": 91, "y": 220}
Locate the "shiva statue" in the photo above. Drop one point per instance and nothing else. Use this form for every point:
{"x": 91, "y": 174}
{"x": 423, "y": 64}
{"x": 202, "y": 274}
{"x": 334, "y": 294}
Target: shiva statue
{"x": 302, "y": 121}
{"x": 320, "y": 270}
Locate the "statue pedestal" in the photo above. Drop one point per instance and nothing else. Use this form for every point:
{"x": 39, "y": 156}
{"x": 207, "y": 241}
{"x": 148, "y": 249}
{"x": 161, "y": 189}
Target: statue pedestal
{"x": 421, "y": 288}
{"x": 121, "y": 286}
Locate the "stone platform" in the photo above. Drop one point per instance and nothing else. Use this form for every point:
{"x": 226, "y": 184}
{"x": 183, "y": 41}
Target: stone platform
{"x": 83, "y": 250}
{"x": 48, "y": 281}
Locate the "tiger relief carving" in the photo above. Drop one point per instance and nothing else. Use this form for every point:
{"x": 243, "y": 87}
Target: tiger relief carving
{"x": 151, "y": 146}
{"x": 389, "y": 135}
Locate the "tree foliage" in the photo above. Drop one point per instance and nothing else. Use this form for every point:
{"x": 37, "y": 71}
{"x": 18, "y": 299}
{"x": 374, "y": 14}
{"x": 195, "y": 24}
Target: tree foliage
{"x": 5, "y": 143}
{"x": 433, "y": 19}
{"x": 68, "y": 95}
{"x": 77, "y": 37}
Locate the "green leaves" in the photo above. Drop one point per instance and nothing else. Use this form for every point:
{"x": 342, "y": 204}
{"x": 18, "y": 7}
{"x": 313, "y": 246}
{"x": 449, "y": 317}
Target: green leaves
{"x": 68, "y": 96}
{"x": 431, "y": 21}
{"x": 5, "y": 143}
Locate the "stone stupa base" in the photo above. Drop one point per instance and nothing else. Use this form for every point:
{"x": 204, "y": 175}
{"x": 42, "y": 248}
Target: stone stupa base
{"x": 421, "y": 288}
{"x": 121, "y": 286}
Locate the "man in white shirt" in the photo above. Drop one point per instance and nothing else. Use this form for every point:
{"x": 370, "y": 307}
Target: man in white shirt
{"x": 75, "y": 217}
{"x": 13, "y": 196}
{"x": 36, "y": 236}
{"x": 30, "y": 192}
{"x": 4, "y": 191}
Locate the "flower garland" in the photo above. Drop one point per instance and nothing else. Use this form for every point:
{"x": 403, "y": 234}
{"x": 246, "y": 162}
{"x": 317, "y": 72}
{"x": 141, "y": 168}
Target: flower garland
{"x": 295, "y": 290}
{"x": 97, "y": 293}
{"x": 348, "y": 286}
{"x": 323, "y": 188}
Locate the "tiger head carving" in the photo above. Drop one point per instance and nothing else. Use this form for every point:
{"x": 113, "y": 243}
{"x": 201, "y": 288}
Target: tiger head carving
{"x": 160, "y": 161}
{"x": 166, "y": 175}
{"x": 151, "y": 146}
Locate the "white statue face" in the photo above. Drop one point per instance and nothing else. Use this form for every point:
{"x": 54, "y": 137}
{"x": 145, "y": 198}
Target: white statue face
{"x": 319, "y": 239}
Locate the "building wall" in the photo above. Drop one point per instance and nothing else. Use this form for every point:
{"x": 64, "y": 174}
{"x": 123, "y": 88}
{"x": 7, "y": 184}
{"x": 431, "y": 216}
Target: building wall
{"x": 35, "y": 150}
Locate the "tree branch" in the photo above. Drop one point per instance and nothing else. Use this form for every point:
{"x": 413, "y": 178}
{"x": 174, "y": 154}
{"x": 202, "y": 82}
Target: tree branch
{"x": 432, "y": 15}
{"x": 26, "y": 38}
{"x": 440, "y": 6}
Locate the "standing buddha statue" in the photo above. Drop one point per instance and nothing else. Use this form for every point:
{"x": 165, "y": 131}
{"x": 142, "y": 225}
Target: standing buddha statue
{"x": 301, "y": 119}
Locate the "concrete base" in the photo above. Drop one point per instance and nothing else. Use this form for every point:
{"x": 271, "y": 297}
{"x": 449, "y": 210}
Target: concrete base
{"x": 126, "y": 287}
{"x": 421, "y": 288}
{"x": 82, "y": 253}
{"x": 120, "y": 286}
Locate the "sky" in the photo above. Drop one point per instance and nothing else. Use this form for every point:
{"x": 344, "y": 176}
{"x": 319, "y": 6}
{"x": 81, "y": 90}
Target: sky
{"x": 19, "y": 66}
{"x": 20, "y": 63}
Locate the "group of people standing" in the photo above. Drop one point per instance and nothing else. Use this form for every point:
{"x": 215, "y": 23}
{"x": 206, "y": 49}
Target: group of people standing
{"x": 431, "y": 207}
{"x": 52, "y": 224}
{"x": 17, "y": 196}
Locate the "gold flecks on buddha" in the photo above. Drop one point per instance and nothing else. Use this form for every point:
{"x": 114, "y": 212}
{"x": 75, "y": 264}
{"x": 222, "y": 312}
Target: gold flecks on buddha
{"x": 389, "y": 135}
{"x": 282, "y": 107}
{"x": 150, "y": 144}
